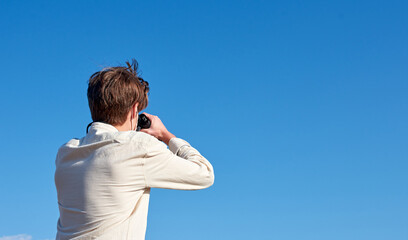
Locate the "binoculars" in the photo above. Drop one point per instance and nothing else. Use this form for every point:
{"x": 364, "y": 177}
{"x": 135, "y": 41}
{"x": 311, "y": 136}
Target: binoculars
{"x": 143, "y": 122}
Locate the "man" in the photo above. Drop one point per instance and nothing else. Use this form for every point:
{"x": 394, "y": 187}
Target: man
{"x": 103, "y": 180}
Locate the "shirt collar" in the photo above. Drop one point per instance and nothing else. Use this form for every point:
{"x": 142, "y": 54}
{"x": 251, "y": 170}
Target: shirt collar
{"x": 102, "y": 127}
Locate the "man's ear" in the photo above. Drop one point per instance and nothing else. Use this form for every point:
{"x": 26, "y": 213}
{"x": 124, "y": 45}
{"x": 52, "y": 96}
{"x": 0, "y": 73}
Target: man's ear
{"x": 134, "y": 108}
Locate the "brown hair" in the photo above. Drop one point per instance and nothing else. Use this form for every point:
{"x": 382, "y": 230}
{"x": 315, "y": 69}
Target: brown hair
{"x": 114, "y": 90}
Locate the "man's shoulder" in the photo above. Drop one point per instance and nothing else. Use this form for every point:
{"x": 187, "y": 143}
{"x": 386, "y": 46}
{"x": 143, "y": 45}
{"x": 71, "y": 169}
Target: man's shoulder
{"x": 130, "y": 137}
{"x": 139, "y": 139}
{"x": 131, "y": 140}
{"x": 126, "y": 137}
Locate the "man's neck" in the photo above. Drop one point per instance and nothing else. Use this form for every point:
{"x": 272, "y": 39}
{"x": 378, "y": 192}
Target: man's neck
{"x": 127, "y": 126}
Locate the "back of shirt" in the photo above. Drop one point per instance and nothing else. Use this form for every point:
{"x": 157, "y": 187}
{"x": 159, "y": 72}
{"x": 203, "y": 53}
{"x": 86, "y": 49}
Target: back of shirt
{"x": 103, "y": 181}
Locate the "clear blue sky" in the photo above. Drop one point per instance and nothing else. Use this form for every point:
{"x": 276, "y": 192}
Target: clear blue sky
{"x": 301, "y": 106}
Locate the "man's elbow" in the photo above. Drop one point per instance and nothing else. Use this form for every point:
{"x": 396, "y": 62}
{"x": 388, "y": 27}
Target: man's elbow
{"x": 208, "y": 180}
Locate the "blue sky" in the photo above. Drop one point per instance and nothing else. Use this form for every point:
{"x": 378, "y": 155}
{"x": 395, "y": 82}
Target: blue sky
{"x": 301, "y": 107}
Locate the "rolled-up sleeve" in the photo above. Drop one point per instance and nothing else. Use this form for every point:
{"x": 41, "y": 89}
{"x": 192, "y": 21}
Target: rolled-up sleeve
{"x": 179, "y": 167}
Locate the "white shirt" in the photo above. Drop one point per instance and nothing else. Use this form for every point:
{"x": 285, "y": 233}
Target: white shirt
{"x": 103, "y": 181}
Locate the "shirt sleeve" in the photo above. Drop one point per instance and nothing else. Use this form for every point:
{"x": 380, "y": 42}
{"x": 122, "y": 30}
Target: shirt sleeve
{"x": 179, "y": 167}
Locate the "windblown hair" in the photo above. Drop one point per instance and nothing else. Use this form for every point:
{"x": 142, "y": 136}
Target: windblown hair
{"x": 114, "y": 90}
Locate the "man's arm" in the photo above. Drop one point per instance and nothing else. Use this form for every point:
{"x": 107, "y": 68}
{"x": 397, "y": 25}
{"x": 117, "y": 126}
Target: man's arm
{"x": 179, "y": 167}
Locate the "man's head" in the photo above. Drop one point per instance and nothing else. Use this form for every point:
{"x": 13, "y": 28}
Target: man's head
{"x": 114, "y": 91}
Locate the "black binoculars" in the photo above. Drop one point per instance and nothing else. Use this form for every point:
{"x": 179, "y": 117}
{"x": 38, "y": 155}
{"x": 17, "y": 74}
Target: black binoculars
{"x": 143, "y": 122}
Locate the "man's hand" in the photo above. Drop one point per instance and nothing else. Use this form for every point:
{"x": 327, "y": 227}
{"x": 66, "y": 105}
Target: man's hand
{"x": 157, "y": 129}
